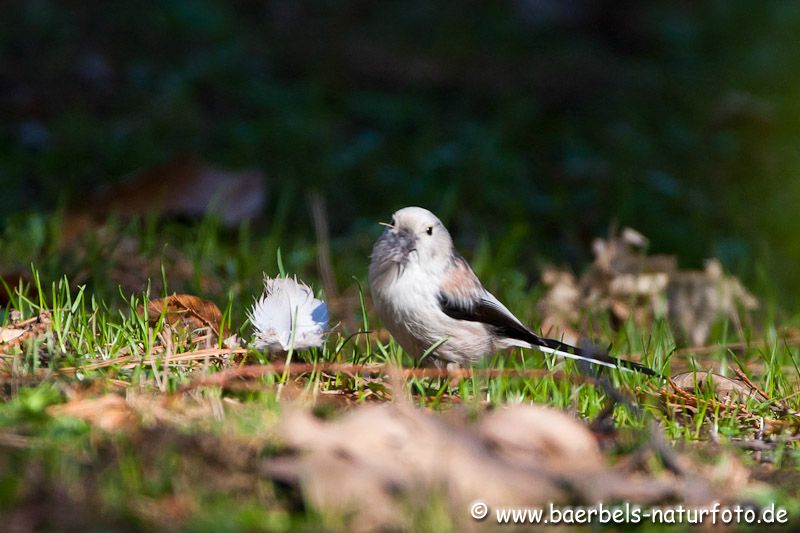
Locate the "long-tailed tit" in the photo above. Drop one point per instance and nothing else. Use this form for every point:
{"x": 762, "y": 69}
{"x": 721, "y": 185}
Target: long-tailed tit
{"x": 426, "y": 293}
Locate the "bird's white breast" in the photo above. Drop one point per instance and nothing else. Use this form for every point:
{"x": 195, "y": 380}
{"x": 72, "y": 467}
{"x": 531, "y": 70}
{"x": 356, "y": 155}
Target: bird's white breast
{"x": 409, "y": 307}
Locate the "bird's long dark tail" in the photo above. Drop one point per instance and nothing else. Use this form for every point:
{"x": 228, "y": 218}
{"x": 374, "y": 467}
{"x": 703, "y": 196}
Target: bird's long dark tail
{"x": 597, "y": 357}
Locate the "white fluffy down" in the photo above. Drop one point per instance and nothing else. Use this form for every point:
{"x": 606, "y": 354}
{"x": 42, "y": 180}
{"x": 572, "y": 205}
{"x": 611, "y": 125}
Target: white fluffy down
{"x": 286, "y": 306}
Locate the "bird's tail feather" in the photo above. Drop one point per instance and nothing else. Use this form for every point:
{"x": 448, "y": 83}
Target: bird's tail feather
{"x": 559, "y": 348}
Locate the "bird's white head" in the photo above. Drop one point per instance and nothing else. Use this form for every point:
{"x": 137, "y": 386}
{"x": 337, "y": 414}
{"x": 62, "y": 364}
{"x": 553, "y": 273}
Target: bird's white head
{"x": 415, "y": 236}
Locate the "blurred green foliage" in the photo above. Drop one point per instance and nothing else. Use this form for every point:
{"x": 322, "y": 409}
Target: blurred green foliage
{"x": 542, "y": 119}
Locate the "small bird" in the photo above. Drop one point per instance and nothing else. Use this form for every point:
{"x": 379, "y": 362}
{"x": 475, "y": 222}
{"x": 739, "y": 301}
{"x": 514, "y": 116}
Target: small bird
{"x": 427, "y": 295}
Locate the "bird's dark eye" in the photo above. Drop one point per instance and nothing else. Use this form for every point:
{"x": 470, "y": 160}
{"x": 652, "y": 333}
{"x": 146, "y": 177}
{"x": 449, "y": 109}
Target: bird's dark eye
{"x": 429, "y": 231}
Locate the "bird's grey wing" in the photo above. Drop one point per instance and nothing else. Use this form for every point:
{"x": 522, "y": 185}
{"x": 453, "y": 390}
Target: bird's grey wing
{"x": 487, "y": 310}
{"x": 464, "y": 298}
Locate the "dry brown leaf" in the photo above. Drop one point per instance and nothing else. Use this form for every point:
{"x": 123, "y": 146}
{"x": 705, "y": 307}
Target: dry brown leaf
{"x": 186, "y": 310}
{"x": 183, "y": 187}
{"x": 725, "y": 389}
{"x": 626, "y": 284}
{"x": 110, "y": 412}
{"x": 186, "y": 187}
{"x": 9, "y": 334}
{"x": 560, "y": 306}
{"x": 697, "y": 299}
{"x": 537, "y": 434}
{"x": 398, "y": 456}
{"x": 379, "y": 464}
{"x": 18, "y": 331}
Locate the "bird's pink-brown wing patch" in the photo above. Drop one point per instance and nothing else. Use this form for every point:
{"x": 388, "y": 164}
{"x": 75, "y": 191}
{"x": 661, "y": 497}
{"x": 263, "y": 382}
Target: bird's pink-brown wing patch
{"x": 461, "y": 283}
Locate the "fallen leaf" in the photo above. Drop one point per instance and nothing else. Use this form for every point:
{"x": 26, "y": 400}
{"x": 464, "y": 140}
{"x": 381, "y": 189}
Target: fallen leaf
{"x": 110, "y": 412}
{"x": 9, "y": 334}
{"x": 185, "y": 310}
{"x": 183, "y": 187}
{"x": 724, "y": 388}
{"x": 19, "y": 331}
{"x": 697, "y": 299}
{"x": 534, "y": 433}
{"x": 396, "y": 456}
{"x": 377, "y": 465}
{"x": 626, "y": 284}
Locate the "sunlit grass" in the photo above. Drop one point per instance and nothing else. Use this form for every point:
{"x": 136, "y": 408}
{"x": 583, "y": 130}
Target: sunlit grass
{"x": 85, "y": 331}
{"x": 106, "y": 342}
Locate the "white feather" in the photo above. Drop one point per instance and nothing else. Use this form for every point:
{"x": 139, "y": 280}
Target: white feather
{"x": 287, "y": 308}
{"x": 559, "y": 353}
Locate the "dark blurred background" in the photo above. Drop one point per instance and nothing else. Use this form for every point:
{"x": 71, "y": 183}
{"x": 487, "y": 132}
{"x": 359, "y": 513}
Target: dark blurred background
{"x": 542, "y": 122}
